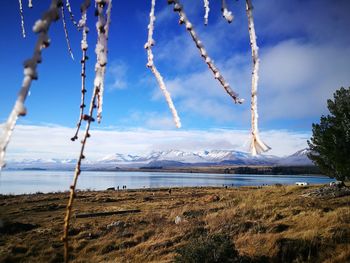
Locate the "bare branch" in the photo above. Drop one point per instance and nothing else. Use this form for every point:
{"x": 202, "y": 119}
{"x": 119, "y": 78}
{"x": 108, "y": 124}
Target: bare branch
{"x": 84, "y": 47}
{"x": 22, "y": 18}
{"x": 66, "y": 33}
{"x": 101, "y": 52}
{"x": 71, "y": 15}
{"x": 184, "y": 20}
{"x": 152, "y": 67}
{"x": 77, "y": 172}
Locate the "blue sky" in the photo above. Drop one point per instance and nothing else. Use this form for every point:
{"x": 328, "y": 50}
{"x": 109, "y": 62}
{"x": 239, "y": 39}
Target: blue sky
{"x": 305, "y": 57}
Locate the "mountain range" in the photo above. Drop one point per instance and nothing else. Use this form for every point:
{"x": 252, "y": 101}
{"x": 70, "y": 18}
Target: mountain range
{"x": 168, "y": 158}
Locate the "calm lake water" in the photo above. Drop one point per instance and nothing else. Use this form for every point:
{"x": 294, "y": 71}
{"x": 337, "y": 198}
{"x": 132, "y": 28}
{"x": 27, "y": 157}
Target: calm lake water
{"x": 20, "y": 182}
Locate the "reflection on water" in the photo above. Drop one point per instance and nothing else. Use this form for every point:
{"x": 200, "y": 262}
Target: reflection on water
{"x": 19, "y": 182}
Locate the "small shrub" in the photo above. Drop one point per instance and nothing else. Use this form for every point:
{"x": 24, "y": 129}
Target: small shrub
{"x": 205, "y": 249}
{"x": 297, "y": 250}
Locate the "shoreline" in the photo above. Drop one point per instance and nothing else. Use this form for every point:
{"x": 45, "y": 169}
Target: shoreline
{"x": 212, "y": 169}
{"x": 166, "y": 188}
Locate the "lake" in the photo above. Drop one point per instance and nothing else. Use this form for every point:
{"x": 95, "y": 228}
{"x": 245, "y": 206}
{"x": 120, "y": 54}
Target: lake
{"x": 20, "y": 182}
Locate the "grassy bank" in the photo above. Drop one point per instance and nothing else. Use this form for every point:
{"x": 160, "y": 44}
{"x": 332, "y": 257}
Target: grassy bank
{"x": 269, "y": 224}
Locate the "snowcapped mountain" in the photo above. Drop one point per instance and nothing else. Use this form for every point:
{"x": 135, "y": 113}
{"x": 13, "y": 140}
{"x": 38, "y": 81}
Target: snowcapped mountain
{"x": 298, "y": 158}
{"x": 167, "y": 158}
{"x": 176, "y": 155}
{"x": 118, "y": 157}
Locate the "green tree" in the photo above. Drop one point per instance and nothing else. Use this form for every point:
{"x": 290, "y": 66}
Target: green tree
{"x": 330, "y": 141}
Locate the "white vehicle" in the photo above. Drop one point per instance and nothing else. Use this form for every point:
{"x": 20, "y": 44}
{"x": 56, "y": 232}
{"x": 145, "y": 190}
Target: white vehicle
{"x": 301, "y": 183}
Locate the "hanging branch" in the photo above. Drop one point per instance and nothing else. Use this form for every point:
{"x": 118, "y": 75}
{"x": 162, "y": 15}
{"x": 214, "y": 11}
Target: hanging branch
{"x": 257, "y": 146}
{"x": 101, "y": 50}
{"x": 41, "y": 27}
{"x": 207, "y": 9}
{"x": 84, "y": 47}
{"x": 225, "y": 13}
{"x": 66, "y": 33}
{"x": 22, "y": 18}
{"x": 71, "y": 15}
{"x": 184, "y": 20}
{"x": 30, "y": 4}
{"x": 152, "y": 67}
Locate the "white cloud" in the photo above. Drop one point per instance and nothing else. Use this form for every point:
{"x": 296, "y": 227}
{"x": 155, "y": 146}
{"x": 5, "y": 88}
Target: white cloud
{"x": 297, "y": 78}
{"x": 54, "y": 141}
{"x": 116, "y": 77}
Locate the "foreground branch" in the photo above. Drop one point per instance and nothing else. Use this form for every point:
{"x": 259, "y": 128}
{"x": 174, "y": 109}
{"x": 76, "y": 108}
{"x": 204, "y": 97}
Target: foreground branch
{"x": 71, "y": 15}
{"x": 22, "y": 18}
{"x": 66, "y": 33}
{"x": 101, "y": 51}
{"x": 257, "y": 145}
{"x": 184, "y": 20}
{"x": 84, "y": 47}
{"x": 152, "y": 67}
{"x": 206, "y": 9}
{"x": 77, "y": 172}
{"x": 41, "y": 27}
{"x": 225, "y": 12}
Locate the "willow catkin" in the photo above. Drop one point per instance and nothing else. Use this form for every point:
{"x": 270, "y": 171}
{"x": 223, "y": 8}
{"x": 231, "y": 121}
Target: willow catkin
{"x": 41, "y": 27}
{"x": 184, "y": 20}
{"x": 257, "y": 145}
{"x": 150, "y": 64}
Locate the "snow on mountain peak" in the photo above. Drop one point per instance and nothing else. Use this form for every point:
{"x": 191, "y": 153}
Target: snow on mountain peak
{"x": 227, "y": 157}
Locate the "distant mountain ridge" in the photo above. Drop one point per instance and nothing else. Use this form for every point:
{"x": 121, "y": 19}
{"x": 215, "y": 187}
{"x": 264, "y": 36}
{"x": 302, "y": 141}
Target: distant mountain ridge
{"x": 167, "y": 158}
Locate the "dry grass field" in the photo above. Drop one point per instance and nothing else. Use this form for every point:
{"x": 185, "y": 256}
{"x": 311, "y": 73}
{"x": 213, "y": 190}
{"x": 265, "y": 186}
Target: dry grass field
{"x": 269, "y": 224}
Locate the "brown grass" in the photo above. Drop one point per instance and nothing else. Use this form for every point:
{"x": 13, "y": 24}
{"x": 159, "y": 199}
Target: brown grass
{"x": 275, "y": 222}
